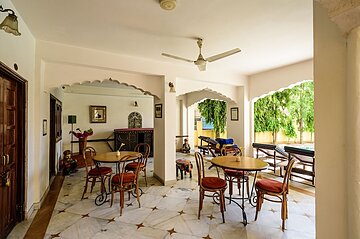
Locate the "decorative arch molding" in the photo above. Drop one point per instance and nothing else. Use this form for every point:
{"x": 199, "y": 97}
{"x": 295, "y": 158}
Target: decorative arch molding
{"x": 115, "y": 82}
{"x": 58, "y": 74}
{"x": 200, "y": 95}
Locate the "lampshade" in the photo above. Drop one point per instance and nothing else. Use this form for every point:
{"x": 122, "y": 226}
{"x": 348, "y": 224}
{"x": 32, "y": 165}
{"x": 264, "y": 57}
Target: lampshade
{"x": 71, "y": 119}
{"x": 10, "y": 24}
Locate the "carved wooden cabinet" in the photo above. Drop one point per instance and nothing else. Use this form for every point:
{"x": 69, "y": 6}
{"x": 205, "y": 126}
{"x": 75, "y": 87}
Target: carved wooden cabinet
{"x": 132, "y": 136}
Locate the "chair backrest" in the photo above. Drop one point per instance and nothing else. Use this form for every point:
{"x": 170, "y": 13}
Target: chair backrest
{"x": 200, "y": 166}
{"x": 89, "y": 152}
{"x": 289, "y": 167}
{"x": 121, "y": 169}
{"x": 144, "y": 149}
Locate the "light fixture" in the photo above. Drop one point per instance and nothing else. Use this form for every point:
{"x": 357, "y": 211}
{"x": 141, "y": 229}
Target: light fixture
{"x": 172, "y": 87}
{"x": 10, "y": 23}
{"x": 136, "y": 104}
{"x": 72, "y": 121}
{"x": 167, "y": 4}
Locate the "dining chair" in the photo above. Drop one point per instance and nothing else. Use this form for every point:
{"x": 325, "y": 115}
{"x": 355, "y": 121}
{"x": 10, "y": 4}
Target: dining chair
{"x": 215, "y": 185}
{"x": 277, "y": 192}
{"x": 125, "y": 181}
{"x": 94, "y": 174}
{"x": 144, "y": 149}
{"x": 233, "y": 175}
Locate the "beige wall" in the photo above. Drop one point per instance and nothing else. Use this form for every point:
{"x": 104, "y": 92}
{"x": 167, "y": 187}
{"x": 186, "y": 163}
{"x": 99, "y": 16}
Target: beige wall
{"x": 330, "y": 101}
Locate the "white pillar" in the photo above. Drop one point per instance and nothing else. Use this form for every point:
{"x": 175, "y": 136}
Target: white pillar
{"x": 353, "y": 133}
{"x": 164, "y": 135}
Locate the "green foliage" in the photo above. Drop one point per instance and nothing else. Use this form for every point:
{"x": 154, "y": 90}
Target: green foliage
{"x": 284, "y": 108}
{"x": 214, "y": 111}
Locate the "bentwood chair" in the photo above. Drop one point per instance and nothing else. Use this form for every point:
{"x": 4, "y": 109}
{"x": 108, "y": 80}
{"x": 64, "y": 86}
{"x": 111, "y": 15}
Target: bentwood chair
{"x": 144, "y": 149}
{"x": 214, "y": 185}
{"x": 94, "y": 174}
{"x": 125, "y": 181}
{"x": 233, "y": 175}
{"x": 276, "y": 192}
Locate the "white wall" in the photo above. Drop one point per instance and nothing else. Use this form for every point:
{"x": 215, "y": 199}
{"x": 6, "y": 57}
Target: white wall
{"x": 21, "y": 50}
{"x": 353, "y": 133}
{"x": 330, "y": 101}
{"x": 118, "y": 109}
{"x": 273, "y": 80}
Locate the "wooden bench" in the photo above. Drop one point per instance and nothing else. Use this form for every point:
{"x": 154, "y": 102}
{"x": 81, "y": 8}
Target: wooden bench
{"x": 305, "y": 165}
{"x": 272, "y": 154}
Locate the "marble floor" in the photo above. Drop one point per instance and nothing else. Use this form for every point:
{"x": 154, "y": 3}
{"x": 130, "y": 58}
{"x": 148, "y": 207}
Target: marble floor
{"x": 171, "y": 212}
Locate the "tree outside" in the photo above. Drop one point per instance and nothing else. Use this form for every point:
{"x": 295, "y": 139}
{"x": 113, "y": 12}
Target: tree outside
{"x": 289, "y": 110}
{"x": 214, "y": 112}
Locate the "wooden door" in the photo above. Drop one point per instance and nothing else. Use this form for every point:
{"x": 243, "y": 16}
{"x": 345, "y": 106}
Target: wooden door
{"x": 8, "y": 152}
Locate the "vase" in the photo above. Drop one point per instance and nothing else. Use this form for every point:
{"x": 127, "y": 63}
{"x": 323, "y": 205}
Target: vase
{"x": 82, "y": 144}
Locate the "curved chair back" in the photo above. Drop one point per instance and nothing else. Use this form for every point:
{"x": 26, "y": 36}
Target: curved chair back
{"x": 144, "y": 149}
{"x": 121, "y": 169}
{"x": 289, "y": 167}
{"x": 89, "y": 152}
{"x": 200, "y": 166}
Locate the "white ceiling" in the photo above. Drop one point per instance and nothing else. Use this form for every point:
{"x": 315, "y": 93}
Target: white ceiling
{"x": 270, "y": 33}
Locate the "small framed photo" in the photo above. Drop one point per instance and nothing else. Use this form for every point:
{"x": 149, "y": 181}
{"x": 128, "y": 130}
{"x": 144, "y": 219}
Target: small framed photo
{"x": 97, "y": 114}
{"x": 158, "y": 110}
{"x": 234, "y": 113}
{"x": 44, "y": 127}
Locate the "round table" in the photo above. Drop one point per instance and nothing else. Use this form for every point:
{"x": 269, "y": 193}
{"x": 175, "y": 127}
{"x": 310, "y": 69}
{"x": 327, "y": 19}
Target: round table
{"x": 244, "y": 164}
{"x": 112, "y": 157}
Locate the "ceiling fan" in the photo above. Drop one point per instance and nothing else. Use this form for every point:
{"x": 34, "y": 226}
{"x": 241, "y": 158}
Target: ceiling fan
{"x": 201, "y": 61}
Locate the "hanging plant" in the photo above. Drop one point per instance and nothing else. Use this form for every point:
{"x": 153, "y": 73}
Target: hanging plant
{"x": 214, "y": 112}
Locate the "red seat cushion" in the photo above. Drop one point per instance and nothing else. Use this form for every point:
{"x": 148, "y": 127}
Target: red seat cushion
{"x": 234, "y": 173}
{"x": 128, "y": 178}
{"x": 133, "y": 165}
{"x": 269, "y": 185}
{"x": 103, "y": 171}
{"x": 213, "y": 182}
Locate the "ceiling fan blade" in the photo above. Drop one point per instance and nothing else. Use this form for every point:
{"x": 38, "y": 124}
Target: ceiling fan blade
{"x": 177, "y": 57}
{"x": 222, "y": 55}
{"x": 202, "y": 67}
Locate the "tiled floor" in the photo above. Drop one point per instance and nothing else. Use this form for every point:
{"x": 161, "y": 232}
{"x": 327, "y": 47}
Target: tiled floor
{"x": 171, "y": 212}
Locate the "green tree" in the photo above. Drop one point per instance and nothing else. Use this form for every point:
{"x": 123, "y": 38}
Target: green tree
{"x": 302, "y": 107}
{"x": 214, "y": 111}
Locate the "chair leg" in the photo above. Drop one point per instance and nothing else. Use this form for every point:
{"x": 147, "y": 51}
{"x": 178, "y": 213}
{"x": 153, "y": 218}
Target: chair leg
{"x": 230, "y": 188}
{"x": 92, "y": 184}
{"x": 112, "y": 196}
{"x": 144, "y": 170}
{"x": 222, "y": 204}
{"x": 248, "y": 188}
{"x": 201, "y": 197}
{"x": 283, "y": 211}
{"x": 85, "y": 188}
{"x": 121, "y": 201}
{"x": 138, "y": 195}
{"x": 258, "y": 203}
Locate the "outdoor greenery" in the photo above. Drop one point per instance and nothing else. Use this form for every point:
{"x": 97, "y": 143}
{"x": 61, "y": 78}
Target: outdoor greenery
{"x": 290, "y": 110}
{"x": 214, "y": 112}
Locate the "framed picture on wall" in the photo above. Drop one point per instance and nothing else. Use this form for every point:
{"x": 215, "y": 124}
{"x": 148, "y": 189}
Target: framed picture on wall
{"x": 158, "y": 110}
{"x": 234, "y": 113}
{"x": 97, "y": 114}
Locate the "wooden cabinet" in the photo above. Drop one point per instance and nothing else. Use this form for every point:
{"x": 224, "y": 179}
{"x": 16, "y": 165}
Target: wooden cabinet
{"x": 132, "y": 136}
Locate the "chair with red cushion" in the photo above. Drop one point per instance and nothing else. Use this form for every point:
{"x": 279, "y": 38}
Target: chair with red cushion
{"x": 144, "y": 149}
{"x": 94, "y": 174}
{"x": 125, "y": 181}
{"x": 233, "y": 175}
{"x": 214, "y": 185}
{"x": 276, "y": 192}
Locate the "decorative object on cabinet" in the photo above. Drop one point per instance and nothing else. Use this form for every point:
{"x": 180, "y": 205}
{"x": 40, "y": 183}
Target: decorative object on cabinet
{"x": 97, "y": 114}
{"x": 134, "y": 120}
{"x": 158, "y": 110}
{"x": 82, "y": 136}
{"x": 133, "y": 136}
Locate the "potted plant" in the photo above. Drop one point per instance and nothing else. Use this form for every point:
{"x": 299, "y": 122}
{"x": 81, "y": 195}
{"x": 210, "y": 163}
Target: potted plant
{"x": 82, "y": 136}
